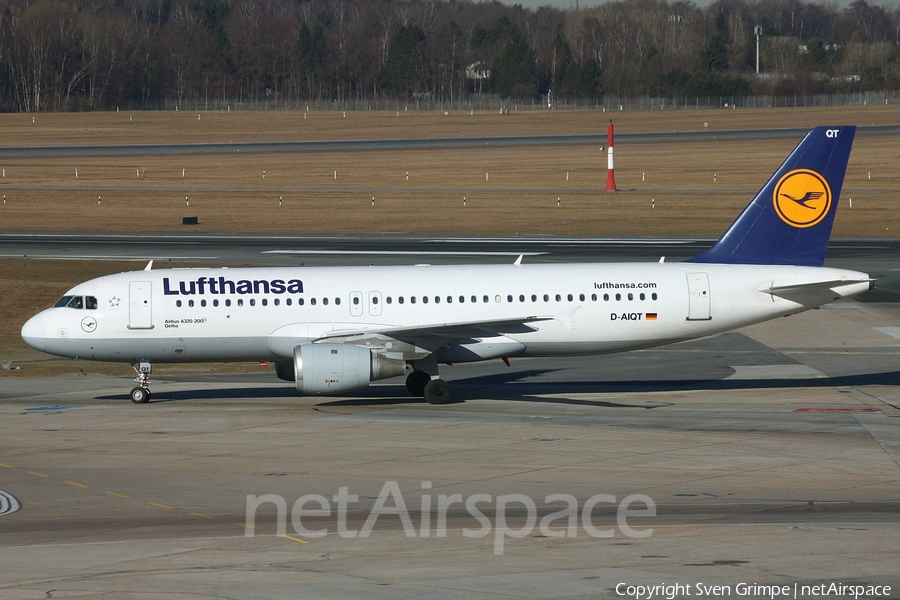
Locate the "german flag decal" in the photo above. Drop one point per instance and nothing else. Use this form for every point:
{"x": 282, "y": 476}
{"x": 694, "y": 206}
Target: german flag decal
{"x": 651, "y": 317}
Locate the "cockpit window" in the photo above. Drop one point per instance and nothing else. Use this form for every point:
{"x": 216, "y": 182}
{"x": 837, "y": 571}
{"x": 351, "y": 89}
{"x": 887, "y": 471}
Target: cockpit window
{"x": 78, "y": 302}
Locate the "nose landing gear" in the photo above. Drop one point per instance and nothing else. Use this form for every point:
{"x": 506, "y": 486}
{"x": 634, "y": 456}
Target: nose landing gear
{"x": 141, "y": 394}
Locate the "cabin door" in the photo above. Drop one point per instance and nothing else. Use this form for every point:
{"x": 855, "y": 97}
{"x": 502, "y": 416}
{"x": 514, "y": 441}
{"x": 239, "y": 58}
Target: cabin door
{"x": 698, "y": 297}
{"x": 140, "y": 310}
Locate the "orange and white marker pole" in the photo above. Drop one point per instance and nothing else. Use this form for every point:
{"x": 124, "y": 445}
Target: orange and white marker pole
{"x": 610, "y": 171}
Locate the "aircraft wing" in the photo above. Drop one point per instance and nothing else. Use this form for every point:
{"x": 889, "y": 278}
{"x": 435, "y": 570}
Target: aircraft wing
{"x": 441, "y": 332}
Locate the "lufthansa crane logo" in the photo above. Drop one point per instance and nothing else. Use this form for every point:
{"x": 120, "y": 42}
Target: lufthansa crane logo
{"x": 802, "y": 198}
{"x": 89, "y": 324}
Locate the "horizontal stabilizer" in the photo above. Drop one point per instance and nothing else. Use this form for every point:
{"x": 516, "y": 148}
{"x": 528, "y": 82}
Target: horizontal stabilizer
{"x": 813, "y": 286}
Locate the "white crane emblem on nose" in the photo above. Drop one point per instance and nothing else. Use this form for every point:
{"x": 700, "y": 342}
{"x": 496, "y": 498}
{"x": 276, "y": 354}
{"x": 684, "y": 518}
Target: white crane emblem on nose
{"x": 89, "y": 324}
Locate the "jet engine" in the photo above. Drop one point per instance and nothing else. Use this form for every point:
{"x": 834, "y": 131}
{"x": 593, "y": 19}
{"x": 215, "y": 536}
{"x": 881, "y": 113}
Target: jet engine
{"x": 332, "y": 368}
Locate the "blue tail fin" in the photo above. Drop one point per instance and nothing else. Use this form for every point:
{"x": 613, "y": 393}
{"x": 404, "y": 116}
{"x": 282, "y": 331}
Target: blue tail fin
{"x": 789, "y": 221}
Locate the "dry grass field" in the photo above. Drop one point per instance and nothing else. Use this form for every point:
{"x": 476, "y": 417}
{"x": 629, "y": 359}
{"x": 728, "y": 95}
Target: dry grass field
{"x": 698, "y": 187}
{"x": 511, "y": 190}
{"x": 79, "y": 129}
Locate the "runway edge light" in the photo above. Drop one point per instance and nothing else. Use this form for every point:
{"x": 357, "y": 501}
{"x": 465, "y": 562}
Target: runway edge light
{"x": 610, "y": 171}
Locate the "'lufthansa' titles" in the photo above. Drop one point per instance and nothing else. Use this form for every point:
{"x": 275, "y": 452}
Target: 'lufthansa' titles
{"x": 221, "y": 285}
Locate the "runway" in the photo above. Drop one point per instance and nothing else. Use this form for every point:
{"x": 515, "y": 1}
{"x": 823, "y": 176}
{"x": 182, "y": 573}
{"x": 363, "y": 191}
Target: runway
{"x": 414, "y": 144}
{"x": 387, "y": 249}
{"x": 771, "y": 455}
{"x": 763, "y": 462}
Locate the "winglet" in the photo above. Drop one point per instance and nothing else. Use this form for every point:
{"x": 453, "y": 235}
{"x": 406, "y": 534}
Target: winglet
{"x": 789, "y": 221}
{"x": 519, "y": 260}
{"x": 149, "y": 266}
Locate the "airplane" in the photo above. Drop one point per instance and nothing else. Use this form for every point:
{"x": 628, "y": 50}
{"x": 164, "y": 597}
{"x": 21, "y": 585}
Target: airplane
{"x": 335, "y": 329}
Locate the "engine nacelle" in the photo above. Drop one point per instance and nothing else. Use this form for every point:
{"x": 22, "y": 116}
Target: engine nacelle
{"x": 333, "y": 368}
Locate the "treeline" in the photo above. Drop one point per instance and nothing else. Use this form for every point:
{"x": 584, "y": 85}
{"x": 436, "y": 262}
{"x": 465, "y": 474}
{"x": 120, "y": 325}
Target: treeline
{"x": 100, "y": 54}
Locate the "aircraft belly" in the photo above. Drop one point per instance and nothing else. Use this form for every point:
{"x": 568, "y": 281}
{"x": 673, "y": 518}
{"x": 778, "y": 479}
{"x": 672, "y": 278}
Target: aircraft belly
{"x": 168, "y": 349}
{"x": 587, "y": 348}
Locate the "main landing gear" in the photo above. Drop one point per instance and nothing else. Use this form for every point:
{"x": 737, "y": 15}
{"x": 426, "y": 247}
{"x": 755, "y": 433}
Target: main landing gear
{"x": 141, "y": 394}
{"x": 420, "y": 382}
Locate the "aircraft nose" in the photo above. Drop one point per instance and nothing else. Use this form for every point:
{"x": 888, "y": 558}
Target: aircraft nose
{"x": 33, "y": 332}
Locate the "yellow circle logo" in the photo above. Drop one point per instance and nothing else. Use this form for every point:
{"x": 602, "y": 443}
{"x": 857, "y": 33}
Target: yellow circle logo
{"x": 802, "y": 198}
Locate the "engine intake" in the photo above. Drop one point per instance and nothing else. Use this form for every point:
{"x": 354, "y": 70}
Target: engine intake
{"x": 333, "y": 368}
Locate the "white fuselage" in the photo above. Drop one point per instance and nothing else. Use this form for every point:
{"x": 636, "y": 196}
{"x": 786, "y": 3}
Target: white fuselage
{"x": 183, "y": 315}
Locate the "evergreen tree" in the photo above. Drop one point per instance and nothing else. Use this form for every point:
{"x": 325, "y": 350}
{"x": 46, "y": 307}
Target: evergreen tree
{"x": 400, "y": 74}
